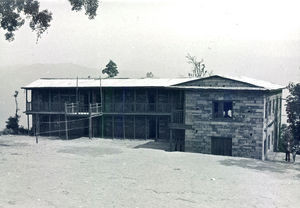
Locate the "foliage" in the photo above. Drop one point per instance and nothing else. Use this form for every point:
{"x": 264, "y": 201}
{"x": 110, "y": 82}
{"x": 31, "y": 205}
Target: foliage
{"x": 293, "y": 110}
{"x": 13, "y": 124}
{"x": 149, "y": 75}
{"x": 111, "y": 69}
{"x": 14, "y": 12}
{"x": 198, "y": 67}
{"x": 285, "y": 136}
{"x": 90, "y": 6}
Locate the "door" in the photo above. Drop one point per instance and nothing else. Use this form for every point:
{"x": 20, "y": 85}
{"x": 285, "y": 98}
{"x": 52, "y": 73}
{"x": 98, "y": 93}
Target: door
{"x": 221, "y": 146}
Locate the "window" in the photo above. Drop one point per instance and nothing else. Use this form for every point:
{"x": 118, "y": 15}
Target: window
{"x": 269, "y": 108}
{"x": 273, "y": 107}
{"x": 222, "y": 109}
{"x": 269, "y": 142}
{"x": 272, "y": 137}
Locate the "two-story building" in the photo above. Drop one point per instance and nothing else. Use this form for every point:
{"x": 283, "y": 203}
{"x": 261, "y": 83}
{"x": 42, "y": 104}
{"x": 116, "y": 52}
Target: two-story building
{"x": 215, "y": 115}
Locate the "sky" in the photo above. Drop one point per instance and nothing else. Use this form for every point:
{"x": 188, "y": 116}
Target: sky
{"x": 259, "y": 39}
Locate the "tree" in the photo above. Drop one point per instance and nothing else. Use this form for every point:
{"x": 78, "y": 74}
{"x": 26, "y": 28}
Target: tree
{"x": 285, "y": 137}
{"x": 293, "y": 110}
{"x": 14, "y": 12}
{"x": 111, "y": 69}
{"x": 16, "y": 102}
{"x": 13, "y": 121}
{"x": 198, "y": 67}
{"x": 149, "y": 75}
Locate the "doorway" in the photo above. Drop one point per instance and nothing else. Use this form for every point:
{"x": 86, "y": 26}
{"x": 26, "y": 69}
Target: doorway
{"x": 221, "y": 146}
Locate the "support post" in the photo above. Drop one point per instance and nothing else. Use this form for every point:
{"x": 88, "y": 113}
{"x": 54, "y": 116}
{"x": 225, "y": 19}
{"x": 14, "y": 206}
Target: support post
{"x": 156, "y": 128}
{"x": 49, "y": 125}
{"x": 28, "y": 124}
{"x": 134, "y": 127}
{"x": 102, "y": 124}
{"x": 171, "y": 139}
{"x": 146, "y": 127}
{"x": 37, "y": 128}
{"x": 123, "y": 127}
{"x": 113, "y": 127}
{"x": 66, "y": 122}
{"x": 90, "y": 122}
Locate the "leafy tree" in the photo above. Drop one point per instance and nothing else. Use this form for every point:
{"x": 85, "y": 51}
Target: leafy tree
{"x": 198, "y": 67}
{"x": 111, "y": 69}
{"x": 13, "y": 124}
{"x": 293, "y": 110}
{"x": 14, "y": 12}
{"x": 13, "y": 121}
{"x": 285, "y": 136}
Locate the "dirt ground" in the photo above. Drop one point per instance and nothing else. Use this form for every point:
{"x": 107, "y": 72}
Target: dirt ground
{"x": 133, "y": 173}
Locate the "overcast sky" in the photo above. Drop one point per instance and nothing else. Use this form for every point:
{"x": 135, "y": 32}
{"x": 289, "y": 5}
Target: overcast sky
{"x": 256, "y": 38}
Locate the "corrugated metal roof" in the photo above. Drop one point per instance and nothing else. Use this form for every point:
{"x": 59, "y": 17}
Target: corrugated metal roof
{"x": 147, "y": 82}
{"x": 256, "y": 82}
{"x": 143, "y": 82}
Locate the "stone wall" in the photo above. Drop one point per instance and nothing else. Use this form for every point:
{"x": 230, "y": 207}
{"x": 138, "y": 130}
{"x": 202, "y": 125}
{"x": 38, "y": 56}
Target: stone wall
{"x": 245, "y": 127}
{"x": 272, "y": 121}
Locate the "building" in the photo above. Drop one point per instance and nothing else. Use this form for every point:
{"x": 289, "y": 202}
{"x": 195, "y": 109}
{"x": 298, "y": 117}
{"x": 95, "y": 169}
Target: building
{"x": 215, "y": 115}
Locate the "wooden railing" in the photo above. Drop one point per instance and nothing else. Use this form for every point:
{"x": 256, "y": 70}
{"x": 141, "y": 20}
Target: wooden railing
{"x": 96, "y": 107}
{"x": 77, "y": 108}
{"x": 137, "y": 107}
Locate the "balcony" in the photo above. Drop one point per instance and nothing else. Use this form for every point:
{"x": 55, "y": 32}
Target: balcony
{"x": 96, "y": 108}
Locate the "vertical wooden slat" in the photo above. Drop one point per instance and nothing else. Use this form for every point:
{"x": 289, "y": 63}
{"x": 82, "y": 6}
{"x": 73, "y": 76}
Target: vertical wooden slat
{"x": 113, "y": 127}
{"x": 134, "y": 127}
{"x": 123, "y": 127}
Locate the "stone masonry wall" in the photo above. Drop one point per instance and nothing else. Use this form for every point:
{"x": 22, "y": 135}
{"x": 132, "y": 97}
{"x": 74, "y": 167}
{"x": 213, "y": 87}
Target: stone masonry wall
{"x": 245, "y": 128}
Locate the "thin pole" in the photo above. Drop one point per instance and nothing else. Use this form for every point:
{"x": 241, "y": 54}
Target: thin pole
{"x": 77, "y": 98}
{"x": 28, "y": 124}
{"x": 37, "y": 129}
{"x": 90, "y": 122}
{"x": 66, "y": 122}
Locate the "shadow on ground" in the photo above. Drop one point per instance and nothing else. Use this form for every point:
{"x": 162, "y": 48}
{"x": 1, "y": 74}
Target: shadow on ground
{"x": 278, "y": 167}
{"x": 154, "y": 145}
{"x": 91, "y": 151}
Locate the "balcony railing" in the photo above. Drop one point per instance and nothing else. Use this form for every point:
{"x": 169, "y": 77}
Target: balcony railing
{"x": 71, "y": 108}
{"x": 137, "y": 108}
{"x": 77, "y": 108}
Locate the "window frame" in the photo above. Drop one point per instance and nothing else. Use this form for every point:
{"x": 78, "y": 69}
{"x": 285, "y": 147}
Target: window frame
{"x": 217, "y": 115}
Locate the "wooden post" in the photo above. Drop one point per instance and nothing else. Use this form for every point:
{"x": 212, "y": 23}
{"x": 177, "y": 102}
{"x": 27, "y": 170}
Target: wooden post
{"x": 102, "y": 124}
{"x": 156, "y": 127}
{"x": 66, "y": 122}
{"x": 134, "y": 127}
{"x": 90, "y": 122}
{"x": 134, "y": 95}
{"x": 146, "y": 127}
{"x": 113, "y": 127}
{"x": 123, "y": 127}
{"x": 49, "y": 125}
{"x": 171, "y": 139}
{"x": 37, "y": 129}
{"x": 28, "y": 124}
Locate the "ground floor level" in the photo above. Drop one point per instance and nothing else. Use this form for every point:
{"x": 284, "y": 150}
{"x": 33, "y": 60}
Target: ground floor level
{"x": 156, "y": 127}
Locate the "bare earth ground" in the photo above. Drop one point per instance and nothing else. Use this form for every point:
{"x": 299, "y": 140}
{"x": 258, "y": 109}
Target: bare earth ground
{"x": 132, "y": 173}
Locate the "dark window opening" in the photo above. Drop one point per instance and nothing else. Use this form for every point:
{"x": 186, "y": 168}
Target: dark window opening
{"x": 222, "y": 109}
